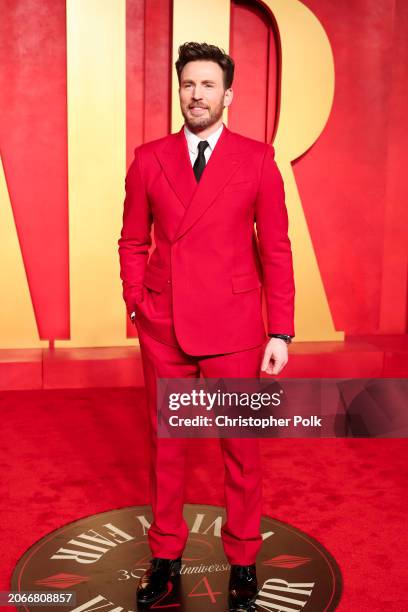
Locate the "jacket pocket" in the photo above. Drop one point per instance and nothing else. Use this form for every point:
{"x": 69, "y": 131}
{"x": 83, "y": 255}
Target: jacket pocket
{"x": 155, "y": 278}
{"x": 238, "y": 186}
{"x": 245, "y": 282}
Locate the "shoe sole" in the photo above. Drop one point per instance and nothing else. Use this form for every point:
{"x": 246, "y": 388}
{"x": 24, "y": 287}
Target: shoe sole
{"x": 249, "y": 606}
{"x": 148, "y": 602}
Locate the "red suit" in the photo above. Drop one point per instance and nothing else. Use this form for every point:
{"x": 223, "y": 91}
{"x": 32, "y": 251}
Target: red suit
{"x": 198, "y": 303}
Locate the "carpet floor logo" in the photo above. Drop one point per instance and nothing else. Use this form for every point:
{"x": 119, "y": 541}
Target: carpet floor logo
{"x": 101, "y": 557}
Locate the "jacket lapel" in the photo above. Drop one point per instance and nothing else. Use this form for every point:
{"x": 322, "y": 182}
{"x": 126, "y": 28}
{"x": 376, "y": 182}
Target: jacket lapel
{"x": 223, "y": 163}
{"x": 174, "y": 159}
{"x": 197, "y": 197}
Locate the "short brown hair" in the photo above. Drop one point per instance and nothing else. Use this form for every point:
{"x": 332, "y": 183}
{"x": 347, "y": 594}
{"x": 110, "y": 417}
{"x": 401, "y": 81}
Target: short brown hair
{"x": 193, "y": 51}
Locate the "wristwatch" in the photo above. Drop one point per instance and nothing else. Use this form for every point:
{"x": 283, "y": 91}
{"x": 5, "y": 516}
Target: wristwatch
{"x": 285, "y": 337}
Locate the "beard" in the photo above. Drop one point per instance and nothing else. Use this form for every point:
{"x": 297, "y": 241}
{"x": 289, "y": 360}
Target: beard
{"x": 199, "y": 123}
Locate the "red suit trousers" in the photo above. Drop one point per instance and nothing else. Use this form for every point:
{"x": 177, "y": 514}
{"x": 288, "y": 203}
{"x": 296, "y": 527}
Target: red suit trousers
{"x": 168, "y": 533}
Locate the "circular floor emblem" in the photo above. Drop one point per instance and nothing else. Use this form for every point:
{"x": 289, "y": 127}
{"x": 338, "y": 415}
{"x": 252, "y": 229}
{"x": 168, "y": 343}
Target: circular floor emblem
{"x": 100, "y": 559}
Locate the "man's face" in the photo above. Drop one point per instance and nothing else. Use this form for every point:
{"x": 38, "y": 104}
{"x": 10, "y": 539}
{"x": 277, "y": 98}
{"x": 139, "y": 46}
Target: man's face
{"x": 202, "y": 94}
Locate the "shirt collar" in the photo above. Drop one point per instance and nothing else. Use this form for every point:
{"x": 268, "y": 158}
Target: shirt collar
{"x": 193, "y": 139}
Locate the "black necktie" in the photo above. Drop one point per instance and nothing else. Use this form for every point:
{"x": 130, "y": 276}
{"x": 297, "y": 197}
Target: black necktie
{"x": 199, "y": 163}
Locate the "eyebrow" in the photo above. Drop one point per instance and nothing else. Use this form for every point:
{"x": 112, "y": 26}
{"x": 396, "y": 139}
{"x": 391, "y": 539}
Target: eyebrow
{"x": 191, "y": 81}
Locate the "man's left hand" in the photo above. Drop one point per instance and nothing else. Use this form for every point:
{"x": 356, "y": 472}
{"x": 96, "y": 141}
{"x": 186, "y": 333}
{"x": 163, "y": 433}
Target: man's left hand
{"x": 275, "y": 356}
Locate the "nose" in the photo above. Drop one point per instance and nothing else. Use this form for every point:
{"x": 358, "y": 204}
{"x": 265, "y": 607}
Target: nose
{"x": 197, "y": 95}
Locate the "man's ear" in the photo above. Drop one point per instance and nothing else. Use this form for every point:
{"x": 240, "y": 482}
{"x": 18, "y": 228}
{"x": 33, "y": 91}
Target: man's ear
{"x": 228, "y": 96}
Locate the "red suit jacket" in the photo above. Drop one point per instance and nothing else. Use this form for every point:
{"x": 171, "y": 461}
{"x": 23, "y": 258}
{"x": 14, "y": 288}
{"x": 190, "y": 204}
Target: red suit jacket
{"x": 202, "y": 285}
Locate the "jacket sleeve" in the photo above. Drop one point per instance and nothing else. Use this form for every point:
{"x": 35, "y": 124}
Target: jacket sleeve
{"x": 135, "y": 237}
{"x": 274, "y": 247}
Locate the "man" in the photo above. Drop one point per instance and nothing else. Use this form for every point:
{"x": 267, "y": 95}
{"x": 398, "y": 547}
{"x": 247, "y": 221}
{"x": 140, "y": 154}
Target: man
{"x": 197, "y": 301}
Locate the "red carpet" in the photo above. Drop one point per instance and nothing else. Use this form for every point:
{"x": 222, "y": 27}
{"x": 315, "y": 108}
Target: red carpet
{"x": 69, "y": 453}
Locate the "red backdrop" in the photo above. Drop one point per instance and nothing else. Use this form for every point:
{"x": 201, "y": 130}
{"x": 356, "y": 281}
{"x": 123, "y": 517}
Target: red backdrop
{"x": 357, "y": 222}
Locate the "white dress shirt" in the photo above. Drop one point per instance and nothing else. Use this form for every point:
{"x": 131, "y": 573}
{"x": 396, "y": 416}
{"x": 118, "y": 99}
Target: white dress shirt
{"x": 193, "y": 140}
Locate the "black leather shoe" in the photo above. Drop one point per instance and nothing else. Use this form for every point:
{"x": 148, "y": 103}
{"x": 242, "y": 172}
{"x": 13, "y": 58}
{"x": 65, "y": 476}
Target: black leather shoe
{"x": 243, "y": 587}
{"x": 153, "y": 584}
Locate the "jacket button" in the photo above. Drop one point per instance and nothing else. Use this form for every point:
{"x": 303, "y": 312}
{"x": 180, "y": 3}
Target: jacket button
{"x": 169, "y": 281}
